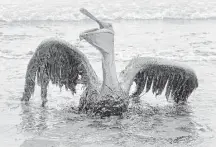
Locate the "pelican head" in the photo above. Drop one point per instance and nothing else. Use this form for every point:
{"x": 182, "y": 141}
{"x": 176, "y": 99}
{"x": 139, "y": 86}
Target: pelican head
{"x": 101, "y": 38}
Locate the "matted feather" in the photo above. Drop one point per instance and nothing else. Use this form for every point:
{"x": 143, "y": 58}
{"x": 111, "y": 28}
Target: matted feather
{"x": 61, "y": 63}
{"x": 156, "y": 73}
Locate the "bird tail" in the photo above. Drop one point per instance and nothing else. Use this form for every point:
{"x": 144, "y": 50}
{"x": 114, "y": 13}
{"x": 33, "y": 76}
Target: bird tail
{"x": 30, "y": 78}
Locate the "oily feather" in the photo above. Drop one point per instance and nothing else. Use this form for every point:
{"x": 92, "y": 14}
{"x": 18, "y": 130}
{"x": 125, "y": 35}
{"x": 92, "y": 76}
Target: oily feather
{"x": 61, "y": 63}
{"x": 156, "y": 73}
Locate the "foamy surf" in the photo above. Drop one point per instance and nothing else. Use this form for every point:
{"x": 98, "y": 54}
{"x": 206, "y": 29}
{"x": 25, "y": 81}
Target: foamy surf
{"x": 56, "y": 10}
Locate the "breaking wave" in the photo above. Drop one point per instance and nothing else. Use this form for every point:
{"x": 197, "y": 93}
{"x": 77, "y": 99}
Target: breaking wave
{"x": 67, "y": 10}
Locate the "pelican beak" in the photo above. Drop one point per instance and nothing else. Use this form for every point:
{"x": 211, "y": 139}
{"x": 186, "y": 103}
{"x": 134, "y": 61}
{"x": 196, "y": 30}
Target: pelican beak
{"x": 102, "y": 38}
{"x": 100, "y": 23}
{"x": 83, "y": 35}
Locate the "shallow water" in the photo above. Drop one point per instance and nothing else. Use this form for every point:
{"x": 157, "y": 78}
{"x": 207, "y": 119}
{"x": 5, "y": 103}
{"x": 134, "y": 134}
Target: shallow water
{"x": 154, "y": 123}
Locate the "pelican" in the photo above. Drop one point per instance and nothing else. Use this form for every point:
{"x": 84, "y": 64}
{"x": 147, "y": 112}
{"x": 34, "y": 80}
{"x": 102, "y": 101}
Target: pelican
{"x": 62, "y": 63}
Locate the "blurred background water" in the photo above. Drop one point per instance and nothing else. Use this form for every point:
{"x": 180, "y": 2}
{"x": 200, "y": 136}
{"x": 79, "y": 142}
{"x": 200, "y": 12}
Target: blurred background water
{"x": 180, "y": 30}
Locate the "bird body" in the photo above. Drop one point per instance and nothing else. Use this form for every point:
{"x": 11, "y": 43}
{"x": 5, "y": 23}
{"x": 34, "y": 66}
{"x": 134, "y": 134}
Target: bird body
{"x": 61, "y": 63}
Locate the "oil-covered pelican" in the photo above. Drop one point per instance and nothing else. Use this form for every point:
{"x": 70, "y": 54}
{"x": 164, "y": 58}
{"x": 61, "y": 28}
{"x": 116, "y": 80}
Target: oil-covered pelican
{"x": 62, "y": 64}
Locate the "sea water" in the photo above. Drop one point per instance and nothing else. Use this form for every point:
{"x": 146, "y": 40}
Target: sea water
{"x": 180, "y": 30}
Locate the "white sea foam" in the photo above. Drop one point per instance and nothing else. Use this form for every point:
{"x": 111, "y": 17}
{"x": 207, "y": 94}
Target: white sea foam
{"x": 68, "y": 10}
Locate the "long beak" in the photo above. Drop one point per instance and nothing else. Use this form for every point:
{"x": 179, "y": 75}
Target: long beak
{"x": 83, "y": 34}
{"x": 100, "y": 23}
{"x": 87, "y": 13}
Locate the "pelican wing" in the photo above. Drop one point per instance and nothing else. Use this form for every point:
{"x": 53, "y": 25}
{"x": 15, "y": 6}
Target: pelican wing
{"x": 155, "y": 73}
{"x": 62, "y": 64}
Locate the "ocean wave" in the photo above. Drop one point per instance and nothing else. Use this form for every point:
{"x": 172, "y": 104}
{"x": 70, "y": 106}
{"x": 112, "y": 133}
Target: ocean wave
{"x": 6, "y": 54}
{"x": 106, "y": 19}
{"x": 67, "y": 10}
